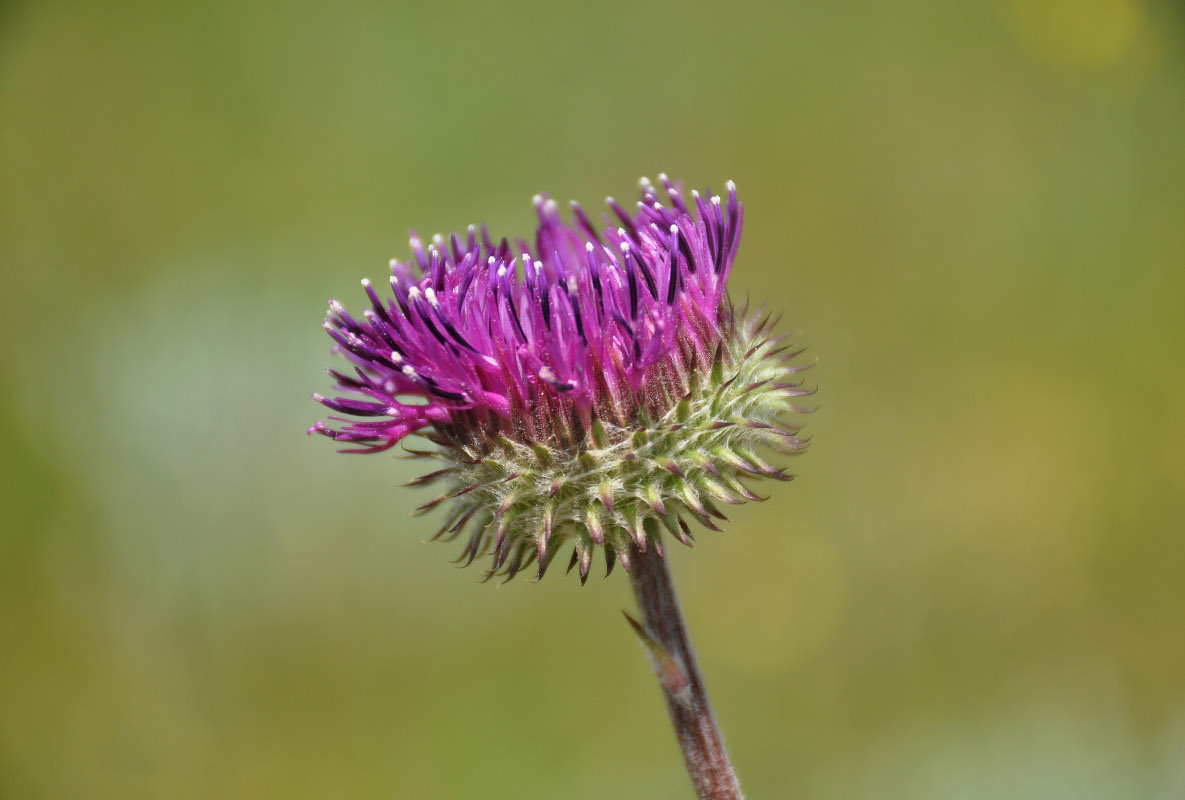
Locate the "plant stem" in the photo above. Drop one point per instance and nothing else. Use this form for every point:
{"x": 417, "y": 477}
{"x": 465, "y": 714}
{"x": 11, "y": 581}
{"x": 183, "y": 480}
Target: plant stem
{"x": 680, "y": 679}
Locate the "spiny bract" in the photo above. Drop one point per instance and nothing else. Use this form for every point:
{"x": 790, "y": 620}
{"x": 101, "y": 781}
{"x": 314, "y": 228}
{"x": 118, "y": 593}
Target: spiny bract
{"x": 596, "y": 388}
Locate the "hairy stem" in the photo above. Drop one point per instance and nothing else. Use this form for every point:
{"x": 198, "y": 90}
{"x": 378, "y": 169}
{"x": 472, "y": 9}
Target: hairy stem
{"x": 665, "y": 634}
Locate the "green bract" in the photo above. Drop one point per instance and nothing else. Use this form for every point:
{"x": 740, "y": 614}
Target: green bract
{"x": 623, "y": 486}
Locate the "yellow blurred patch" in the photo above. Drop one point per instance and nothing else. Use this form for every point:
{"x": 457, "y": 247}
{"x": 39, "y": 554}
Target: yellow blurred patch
{"x": 1075, "y": 35}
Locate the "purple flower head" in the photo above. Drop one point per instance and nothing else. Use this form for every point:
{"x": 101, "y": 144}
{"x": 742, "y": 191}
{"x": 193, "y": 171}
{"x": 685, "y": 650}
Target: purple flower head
{"x": 535, "y": 340}
{"x": 593, "y": 386}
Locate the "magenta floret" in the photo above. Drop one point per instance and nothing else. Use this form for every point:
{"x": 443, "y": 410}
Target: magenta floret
{"x": 500, "y": 338}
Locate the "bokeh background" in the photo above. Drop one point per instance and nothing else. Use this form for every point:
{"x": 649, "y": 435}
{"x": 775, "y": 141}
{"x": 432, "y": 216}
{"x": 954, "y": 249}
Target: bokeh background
{"x": 975, "y": 211}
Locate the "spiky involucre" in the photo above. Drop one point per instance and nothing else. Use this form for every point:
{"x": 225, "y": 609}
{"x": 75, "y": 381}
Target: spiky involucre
{"x": 627, "y": 485}
{"x": 601, "y": 397}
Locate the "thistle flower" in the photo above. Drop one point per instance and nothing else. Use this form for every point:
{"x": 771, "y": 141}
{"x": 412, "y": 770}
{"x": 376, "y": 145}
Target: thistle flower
{"x": 594, "y": 387}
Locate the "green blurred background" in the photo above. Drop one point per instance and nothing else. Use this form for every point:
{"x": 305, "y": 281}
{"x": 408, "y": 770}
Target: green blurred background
{"x": 976, "y": 211}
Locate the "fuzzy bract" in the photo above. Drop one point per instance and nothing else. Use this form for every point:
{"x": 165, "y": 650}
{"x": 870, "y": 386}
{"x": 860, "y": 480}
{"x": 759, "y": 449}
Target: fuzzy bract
{"x": 594, "y": 387}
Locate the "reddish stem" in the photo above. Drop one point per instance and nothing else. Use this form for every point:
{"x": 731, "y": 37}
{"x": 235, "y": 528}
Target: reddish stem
{"x": 680, "y": 679}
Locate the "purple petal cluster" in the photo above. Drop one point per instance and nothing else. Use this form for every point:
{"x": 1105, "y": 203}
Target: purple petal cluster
{"x": 535, "y": 340}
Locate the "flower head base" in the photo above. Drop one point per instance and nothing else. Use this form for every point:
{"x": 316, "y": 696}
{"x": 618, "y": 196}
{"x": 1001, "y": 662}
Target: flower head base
{"x": 595, "y": 386}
